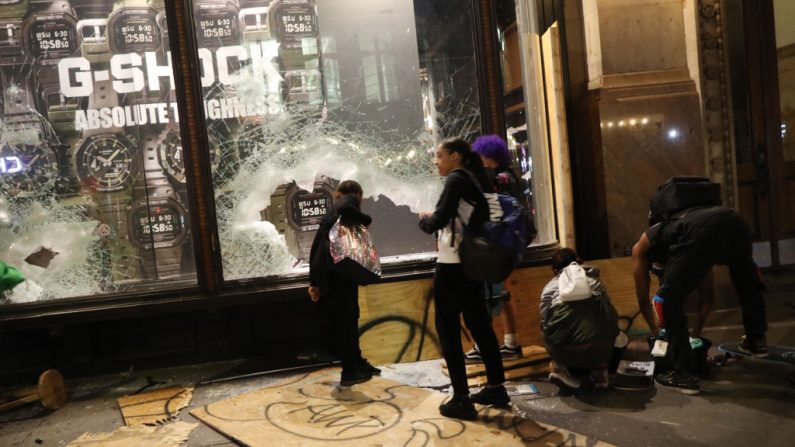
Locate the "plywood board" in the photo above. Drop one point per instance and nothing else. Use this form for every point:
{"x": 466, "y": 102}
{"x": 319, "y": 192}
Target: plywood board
{"x": 171, "y": 435}
{"x": 311, "y": 411}
{"x": 558, "y": 135}
{"x": 398, "y": 318}
{"x": 154, "y": 407}
{"x": 397, "y": 322}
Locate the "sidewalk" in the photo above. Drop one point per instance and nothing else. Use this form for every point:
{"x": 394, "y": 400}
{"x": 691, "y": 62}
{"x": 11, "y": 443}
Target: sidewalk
{"x": 747, "y": 403}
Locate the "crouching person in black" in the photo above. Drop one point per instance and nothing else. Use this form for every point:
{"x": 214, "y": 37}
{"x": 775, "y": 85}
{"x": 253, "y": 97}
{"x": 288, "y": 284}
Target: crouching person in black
{"x": 338, "y": 294}
{"x": 689, "y": 243}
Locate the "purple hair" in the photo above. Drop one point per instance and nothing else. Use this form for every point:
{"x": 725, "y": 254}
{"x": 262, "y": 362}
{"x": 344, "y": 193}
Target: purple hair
{"x": 493, "y": 147}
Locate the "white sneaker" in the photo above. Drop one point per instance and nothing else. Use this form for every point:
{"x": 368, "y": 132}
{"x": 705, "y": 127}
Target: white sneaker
{"x": 561, "y": 377}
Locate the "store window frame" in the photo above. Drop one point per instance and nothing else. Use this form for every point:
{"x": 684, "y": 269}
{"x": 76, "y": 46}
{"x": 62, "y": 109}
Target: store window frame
{"x": 211, "y": 288}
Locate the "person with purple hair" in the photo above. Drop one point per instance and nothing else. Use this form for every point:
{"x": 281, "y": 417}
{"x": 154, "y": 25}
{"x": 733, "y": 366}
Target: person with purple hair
{"x": 496, "y": 157}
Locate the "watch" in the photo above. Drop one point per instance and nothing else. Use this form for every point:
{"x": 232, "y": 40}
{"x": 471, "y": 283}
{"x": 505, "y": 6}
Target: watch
{"x": 217, "y": 23}
{"x": 132, "y": 27}
{"x": 28, "y": 165}
{"x": 50, "y": 34}
{"x": 107, "y": 161}
{"x": 294, "y": 23}
{"x": 291, "y": 21}
{"x": 296, "y": 213}
{"x": 157, "y": 218}
{"x": 50, "y": 31}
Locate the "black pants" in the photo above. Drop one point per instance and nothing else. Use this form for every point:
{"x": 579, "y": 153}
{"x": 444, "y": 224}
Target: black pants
{"x": 454, "y": 294}
{"x": 342, "y": 301}
{"x": 723, "y": 240}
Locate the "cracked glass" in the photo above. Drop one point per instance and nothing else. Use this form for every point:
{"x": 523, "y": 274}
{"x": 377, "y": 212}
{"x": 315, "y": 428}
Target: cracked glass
{"x": 92, "y": 186}
{"x": 300, "y": 95}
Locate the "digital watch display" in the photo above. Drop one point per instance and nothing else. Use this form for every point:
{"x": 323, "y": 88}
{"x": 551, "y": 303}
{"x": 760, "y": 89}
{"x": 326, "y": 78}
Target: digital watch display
{"x": 296, "y": 20}
{"x": 308, "y": 208}
{"x": 26, "y": 169}
{"x": 105, "y": 162}
{"x": 52, "y": 37}
{"x": 217, "y": 25}
{"x": 134, "y": 30}
{"x": 158, "y": 223}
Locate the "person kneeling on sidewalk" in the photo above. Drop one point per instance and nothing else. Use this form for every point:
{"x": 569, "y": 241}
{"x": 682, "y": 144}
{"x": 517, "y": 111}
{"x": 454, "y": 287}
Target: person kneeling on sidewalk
{"x": 579, "y": 322}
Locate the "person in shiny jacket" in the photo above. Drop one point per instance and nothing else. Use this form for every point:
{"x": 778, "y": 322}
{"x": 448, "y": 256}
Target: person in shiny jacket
{"x": 338, "y": 294}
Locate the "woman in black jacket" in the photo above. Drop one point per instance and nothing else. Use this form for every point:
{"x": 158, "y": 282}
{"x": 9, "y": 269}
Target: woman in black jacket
{"x": 454, "y": 293}
{"x": 338, "y": 294}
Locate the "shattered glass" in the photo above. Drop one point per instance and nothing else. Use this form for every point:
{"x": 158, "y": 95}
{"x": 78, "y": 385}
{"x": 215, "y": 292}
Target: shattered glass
{"x": 367, "y": 96}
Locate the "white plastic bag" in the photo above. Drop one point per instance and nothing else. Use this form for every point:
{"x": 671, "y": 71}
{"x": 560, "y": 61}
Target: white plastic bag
{"x": 573, "y": 283}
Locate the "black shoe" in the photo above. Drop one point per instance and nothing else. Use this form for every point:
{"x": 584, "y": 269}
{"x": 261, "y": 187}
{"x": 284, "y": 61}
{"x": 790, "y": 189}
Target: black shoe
{"x": 473, "y": 356}
{"x": 459, "y": 407}
{"x": 756, "y": 348}
{"x": 349, "y": 379}
{"x": 496, "y": 396}
{"x": 510, "y": 353}
{"x": 678, "y": 381}
{"x": 364, "y": 365}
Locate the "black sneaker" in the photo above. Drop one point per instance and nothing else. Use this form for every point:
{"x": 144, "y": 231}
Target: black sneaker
{"x": 350, "y": 379}
{"x": 511, "y": 353}
{"x": 678, "y": 381}
{"x": 496, "y": 396}
{"x": 364, "y": 365}
{"x": 473, "y": 356}
{"x": 756, "y": 348}
{"x": 459, "y": 407}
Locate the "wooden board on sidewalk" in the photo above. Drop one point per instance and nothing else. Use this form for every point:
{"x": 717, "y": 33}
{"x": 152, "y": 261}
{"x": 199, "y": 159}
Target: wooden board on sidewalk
{"x": 311, "y": 410}
{"x": 154, "y": 407}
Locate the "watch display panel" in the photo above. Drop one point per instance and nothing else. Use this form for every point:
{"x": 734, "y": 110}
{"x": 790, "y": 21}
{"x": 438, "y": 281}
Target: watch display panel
{"x": 295, "y": 19}
{"x": 308, "y": 208}
{"x": 134, "y": 30}
{"x": 105, "y": 162}
{"x": 158, "y": 223}
{"x": 52, "y": 36}
{"x": 26, "y": 169}
{"x": 218, "y": 24}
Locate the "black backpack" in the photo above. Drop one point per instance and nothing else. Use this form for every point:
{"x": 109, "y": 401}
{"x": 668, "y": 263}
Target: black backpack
{"x": 681, "y": 193}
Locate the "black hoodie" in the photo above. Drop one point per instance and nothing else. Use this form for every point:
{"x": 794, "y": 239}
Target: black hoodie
{"x": 347, "y": 208}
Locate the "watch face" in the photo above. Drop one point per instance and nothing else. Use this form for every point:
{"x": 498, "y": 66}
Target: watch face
{"x": 217, "y": 24}
{"x": 105, "y": 162}
{"x": 170, "y": 153}
{"x": 158, "y": 223}
{"x": 52, "y": 36}
{"x": 295, "y": 18}
{"x": 134, "y": 30}
{"x": 308, "y": 208}
{"x": 27, "y": 170}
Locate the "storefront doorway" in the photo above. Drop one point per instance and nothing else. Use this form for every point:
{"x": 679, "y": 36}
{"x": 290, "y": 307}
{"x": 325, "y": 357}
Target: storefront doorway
{"x": 761, "y": 53}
